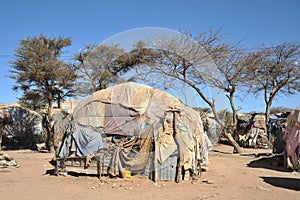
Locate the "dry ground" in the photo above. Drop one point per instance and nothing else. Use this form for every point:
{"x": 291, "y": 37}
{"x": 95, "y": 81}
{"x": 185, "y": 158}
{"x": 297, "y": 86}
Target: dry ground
{"x": 229, "y": 176}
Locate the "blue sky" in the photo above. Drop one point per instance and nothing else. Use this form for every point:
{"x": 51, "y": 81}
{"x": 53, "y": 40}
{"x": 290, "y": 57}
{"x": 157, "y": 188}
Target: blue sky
{"x": 93, "y": 21}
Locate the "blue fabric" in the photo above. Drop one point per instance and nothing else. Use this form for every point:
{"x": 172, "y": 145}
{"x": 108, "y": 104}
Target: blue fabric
{"x": 84, "y": 141}
{"x": 87, "y": 140}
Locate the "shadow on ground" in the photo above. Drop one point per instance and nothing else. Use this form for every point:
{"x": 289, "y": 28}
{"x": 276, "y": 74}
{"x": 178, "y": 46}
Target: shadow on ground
{"x": 52, "y": 172}
{"x": 287, "y": 183}
{"x": 274, "y": 162}
{"x": 222, "y": 152}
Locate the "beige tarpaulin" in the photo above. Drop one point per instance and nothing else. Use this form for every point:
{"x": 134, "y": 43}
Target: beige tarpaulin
{"x": 129, "y": 109}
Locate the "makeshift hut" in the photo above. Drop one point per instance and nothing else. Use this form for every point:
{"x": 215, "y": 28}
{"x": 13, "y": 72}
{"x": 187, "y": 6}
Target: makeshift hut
{"x": 135, "y": 129}
{"x": 293, "y": 139}
{"x": 277, "y": 125}
{"x": 251, "y": 131}
{"x": 23, "y": 127}
{"x": 3, "y": 118}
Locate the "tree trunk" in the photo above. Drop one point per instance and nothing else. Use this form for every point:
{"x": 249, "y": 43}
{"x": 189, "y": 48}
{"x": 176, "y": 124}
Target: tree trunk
{"x": 59, "y": 100}
{"x": 49, "y": 130}
{"x": 234, "y": 112}
{"x": 232, "y": 142}
{"x": 267, "y": 117}
{"x": 269, "y": 102}
{"x": 237, "y": 148}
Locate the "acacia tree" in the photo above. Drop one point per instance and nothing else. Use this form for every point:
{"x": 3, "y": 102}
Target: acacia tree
{"x": 228, "y": 74}
{"x": 192, "y": 61}
{"x": 38, "y": 70}
{"x": 100, "y": 66}
{"x": 32, "y": 100}
{"x": 274, "y": 70}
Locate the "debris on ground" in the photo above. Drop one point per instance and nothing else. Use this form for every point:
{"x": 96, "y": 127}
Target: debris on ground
{"x": 7, "y": 161}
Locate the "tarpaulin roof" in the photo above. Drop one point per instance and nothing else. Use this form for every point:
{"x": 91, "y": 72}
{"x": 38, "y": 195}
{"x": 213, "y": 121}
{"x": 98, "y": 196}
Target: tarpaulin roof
{"x": 144, "y": 100}
{"x": 141, "y": 113}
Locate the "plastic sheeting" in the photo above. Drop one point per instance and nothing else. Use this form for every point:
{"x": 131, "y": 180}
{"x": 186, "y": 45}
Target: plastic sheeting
{"x": 293, "y": 131}
{"x": 120, "y": 121}
{"x": 82, "y": 140}
{"x": 148, "y": 121}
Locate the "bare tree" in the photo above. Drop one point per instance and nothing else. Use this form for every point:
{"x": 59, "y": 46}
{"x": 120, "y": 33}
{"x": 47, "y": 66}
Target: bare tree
{"x": 274, "y": 71}
{"x": 229, "y": 75}
{"x": 191, "y": 61}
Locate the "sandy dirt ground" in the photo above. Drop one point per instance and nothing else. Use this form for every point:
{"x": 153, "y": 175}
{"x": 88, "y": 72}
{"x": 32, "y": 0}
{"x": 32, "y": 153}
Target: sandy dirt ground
{"x": 250, "y": 175}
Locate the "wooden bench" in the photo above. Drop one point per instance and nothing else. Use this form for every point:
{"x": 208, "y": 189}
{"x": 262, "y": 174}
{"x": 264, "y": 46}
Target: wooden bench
{"x": 78, "y": 164}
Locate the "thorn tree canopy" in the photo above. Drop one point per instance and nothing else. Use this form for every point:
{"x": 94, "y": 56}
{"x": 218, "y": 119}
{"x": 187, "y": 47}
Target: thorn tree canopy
{"x": 274, "y": 71}
{"x": 37, "y": 68}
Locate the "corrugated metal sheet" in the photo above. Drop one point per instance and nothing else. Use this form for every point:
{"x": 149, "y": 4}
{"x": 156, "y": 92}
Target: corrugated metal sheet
{"x": 105, "y": 158}
{"x": 166, "y": 170}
